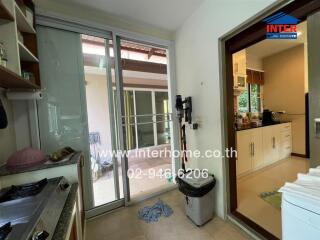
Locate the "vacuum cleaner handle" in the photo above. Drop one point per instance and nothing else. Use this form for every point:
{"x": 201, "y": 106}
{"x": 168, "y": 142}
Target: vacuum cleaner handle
{"x": 3, "y": 117}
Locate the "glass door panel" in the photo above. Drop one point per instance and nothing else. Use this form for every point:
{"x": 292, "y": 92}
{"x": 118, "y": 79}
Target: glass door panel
{"x": 163, "y": 117}
{"x": 144, "y": 119}
{"x": 146, "y": 113}
{"x": 105, "y": 167}
{"x": 129, "y": 106}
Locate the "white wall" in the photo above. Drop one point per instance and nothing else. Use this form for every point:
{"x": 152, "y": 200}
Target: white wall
{"x": 285, "y": 90}
{"x": 198, "y": 75}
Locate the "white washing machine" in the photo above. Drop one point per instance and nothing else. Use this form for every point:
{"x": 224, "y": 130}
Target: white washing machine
{"x": 301, "y": 209}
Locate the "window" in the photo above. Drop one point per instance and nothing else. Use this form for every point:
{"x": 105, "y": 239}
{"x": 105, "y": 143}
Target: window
{"x": 250, "y": 99}
{"x": 255, "y": 98}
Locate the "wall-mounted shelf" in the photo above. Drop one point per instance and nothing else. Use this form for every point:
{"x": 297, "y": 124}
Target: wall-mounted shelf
{"x": 22, "y": 23}
{"x": 11, "y": 80}
{"x": 5, "y": 15}
{"x": 25, "y": 54}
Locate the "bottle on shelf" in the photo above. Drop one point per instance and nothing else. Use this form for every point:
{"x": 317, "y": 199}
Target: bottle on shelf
{"x": 3, "y": 55}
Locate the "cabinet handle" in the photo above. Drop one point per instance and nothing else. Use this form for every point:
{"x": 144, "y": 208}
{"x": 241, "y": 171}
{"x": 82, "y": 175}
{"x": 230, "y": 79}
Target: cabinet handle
{"x": 274, "y": 142}
{"x": 253, "y": 149}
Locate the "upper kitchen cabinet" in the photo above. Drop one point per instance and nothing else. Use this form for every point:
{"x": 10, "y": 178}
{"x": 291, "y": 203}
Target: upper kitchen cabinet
{"x": 239, "y": 62}
{"x": 246, "y": 69}
{"x": 19, "y": 65}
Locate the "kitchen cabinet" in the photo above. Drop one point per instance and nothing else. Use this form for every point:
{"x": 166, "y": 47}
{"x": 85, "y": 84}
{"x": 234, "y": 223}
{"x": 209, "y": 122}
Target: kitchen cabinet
{"x": 285, "y": 141}
{"x": 257, "y": 148}
{"x": 19, "y": 39}
{"x": 239, "y": 62}
{"x": 271, "y": 147}
{"x": 244, "y": 148}
{"x": 260, "y": 147}
{"x": 249, "y": 147}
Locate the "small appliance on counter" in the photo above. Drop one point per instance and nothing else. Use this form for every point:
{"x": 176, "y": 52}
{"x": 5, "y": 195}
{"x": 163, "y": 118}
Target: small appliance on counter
{"x": 32, "y": 211}
{"x": 267, "y": 117}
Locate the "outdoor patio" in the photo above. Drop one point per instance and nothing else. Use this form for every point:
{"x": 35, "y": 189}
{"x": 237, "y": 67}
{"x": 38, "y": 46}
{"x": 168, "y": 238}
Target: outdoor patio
{"x": 143, "y": 181}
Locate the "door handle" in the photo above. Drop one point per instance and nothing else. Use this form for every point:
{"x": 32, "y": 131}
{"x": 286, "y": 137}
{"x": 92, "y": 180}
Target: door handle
{"x": 317, "y": 127}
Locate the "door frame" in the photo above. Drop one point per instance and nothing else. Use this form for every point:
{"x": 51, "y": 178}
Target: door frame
{"x": 59, "y": 21}
{"x": 246, "y": 34}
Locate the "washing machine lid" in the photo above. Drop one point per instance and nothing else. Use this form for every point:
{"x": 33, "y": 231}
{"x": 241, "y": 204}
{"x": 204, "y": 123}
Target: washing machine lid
{"x": 302, "y": 196}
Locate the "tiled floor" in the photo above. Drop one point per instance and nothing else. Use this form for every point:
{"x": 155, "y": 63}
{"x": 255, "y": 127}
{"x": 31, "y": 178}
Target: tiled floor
{"x": 269, "y": 179}
{"x": 124, "y": 224}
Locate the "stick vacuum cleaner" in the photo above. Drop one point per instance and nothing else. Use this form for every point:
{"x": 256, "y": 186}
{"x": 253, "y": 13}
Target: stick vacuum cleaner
{"x": 198, "y": 190}
{"x": 184, "y": 109}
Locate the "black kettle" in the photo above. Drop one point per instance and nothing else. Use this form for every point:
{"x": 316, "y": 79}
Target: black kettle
{"x": 3, "y": 117}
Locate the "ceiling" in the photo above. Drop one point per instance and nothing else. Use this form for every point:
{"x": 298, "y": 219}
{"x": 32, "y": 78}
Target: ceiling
{"x": 269, "y": 47}
{"x": 164, "y": 14}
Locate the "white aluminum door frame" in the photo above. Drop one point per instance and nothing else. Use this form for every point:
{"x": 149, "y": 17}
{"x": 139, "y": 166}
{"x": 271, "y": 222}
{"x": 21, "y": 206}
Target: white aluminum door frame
{"x": 121, "y": 121}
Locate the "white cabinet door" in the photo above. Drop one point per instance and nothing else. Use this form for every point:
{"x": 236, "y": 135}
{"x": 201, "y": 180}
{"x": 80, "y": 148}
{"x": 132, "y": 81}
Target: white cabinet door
{"x": 257, "y": 155}
{"x": 270, "y": 145}
{"x": 244, "y": 148}
{"x": 276, "y": 132}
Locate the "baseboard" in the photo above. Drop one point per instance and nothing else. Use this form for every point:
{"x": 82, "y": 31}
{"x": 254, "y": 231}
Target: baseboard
{"x": 299, "y": 155}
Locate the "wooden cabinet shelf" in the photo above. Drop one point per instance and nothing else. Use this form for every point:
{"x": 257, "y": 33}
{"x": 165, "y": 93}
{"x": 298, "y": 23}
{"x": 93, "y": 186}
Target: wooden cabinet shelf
{"x": 25, "y": 54}
{"x": 11, "y": 80}
{"x": 22, "y": 23}
{"x": 5, "y": 15}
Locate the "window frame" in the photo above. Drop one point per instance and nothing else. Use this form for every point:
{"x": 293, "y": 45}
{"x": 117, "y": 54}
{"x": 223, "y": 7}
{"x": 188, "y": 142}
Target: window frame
{"x": 249, "y": 89}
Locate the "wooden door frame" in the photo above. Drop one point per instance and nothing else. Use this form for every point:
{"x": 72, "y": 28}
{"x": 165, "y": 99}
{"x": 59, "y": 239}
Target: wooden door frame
{"x": 245, "y": 35}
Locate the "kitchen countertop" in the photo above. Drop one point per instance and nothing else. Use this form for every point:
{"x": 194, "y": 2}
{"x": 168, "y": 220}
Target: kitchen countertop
{"x": 61, "y": 230}
{"x": 4, "y": 171}
{"x": 248, "y": 128}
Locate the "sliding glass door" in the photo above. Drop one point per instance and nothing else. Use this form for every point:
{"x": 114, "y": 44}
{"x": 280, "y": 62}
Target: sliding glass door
{"x": 105, "y": 167}
{"x": 146, "y": 116}
{"x": 79, "y": 110}
{"x": 109, "y": 99}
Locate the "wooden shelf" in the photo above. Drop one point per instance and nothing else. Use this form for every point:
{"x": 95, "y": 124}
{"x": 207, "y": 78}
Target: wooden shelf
{"x": 9, "y": 79}
{"x": 25, "y": 54}
{"x": 22, "y": 23}
{"x": 5, "y": 15}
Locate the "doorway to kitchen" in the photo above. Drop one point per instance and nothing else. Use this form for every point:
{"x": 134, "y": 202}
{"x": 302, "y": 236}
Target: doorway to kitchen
{"x": 271, "y": 124}
{"x": 267, "y": 115}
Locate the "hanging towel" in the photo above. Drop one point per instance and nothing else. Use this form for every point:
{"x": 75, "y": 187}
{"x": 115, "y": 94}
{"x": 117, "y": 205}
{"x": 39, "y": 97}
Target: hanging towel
{"x": 153, "y": 213}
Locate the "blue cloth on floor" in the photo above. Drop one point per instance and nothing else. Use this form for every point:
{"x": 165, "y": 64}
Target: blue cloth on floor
{"x": 153, "y": 213}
